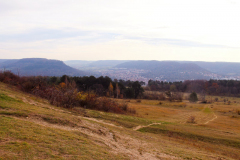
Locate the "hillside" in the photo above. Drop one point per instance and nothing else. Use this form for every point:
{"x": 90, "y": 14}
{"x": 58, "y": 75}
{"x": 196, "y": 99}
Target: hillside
{"x": 31, "y": 128}
{"x": 7, "y": 62}
{"x": 168, "y": 70}
{"x": 40, "y": 66}
{"x": 78, "y": 64}
{"x": 159, "y": 70}
{"x": 101, "y": 64}
{"x": 223, "y": 68}
{"x": 106, "y": 63}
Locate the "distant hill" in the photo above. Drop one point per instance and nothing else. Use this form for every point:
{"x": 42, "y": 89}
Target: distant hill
{"x": 168, "y": 70}
{"x": 6, "y": 62}
{"x": 78, "y": 64}
{"x": 162, "y": 70}
{"x": 94, "y": 64}
{"x": 106, "y": 63}
{"x": 2, "y": 60}
{"x": 40, "y": 66}
{"x": 223, "y": 68}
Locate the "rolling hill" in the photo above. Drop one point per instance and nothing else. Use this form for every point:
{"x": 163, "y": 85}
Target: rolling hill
{"x": 223, "y": 68}
{"x": 160, "y": 70}
{"x": 40, "y": 66}
{"x": 94, "y": 64}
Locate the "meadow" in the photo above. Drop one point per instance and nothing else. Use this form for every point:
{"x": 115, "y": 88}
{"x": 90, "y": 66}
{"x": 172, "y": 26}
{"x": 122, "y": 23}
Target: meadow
{"x": 31, "y": 128}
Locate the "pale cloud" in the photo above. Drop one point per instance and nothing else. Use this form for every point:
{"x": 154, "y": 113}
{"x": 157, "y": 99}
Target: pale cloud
{"x": 126, "y": 29}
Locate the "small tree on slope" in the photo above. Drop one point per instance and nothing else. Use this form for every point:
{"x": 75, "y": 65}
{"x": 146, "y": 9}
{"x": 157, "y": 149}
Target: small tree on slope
{"x": 193, "y": 97}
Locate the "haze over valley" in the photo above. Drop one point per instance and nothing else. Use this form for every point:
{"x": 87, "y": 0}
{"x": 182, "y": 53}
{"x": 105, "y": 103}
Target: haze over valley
{"x": 127, "y": 70}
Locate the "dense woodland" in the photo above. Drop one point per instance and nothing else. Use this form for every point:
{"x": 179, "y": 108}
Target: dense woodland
{"x": 211, "y": 87}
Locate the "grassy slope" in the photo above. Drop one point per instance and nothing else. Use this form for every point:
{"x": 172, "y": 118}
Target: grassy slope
{"x": 30, "y": 128}
{"x": 24, "y": 135}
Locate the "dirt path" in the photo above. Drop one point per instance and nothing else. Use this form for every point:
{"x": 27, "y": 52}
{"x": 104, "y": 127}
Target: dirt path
{"x": 100, "y": 121}
{"x": 117, "y": 142}
{"x": 200, "y": 116}
{"x": 215, "y": 117}
{"x": 100, "y": 134}
{"x": 139, "y": 127}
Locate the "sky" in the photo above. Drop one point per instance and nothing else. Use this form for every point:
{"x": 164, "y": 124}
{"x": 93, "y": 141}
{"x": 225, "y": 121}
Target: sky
{"x": 193, "y": 30}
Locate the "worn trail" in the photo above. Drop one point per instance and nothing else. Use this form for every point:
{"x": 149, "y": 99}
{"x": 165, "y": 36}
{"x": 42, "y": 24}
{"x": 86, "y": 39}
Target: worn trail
{"x": 139, "y": 127}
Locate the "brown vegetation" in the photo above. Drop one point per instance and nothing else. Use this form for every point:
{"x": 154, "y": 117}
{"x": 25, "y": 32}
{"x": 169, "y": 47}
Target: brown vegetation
{"x": 65, "y": 94}
{"x": 191, "y": 119}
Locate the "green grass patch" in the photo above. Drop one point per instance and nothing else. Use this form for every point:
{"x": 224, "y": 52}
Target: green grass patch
{"x": 17, "y": 113}
{"x": 3, "y": 107}
{"x": 27, "y": 140}
{"x": 4, "y": 97}
{"x": 207, "y": 110}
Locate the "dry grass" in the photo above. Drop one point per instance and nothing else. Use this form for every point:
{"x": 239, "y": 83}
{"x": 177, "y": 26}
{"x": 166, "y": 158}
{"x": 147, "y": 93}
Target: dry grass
{"x": 30, "y": 128}
{"x": 210, "y": 121}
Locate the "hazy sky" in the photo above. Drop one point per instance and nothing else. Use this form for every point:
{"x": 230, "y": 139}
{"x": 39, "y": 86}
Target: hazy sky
{"x": 203, "y": 30}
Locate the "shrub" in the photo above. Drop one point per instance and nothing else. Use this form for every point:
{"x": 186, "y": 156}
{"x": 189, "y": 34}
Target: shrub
{"x": 205, "y": 101}
{"x": 183, "y": 105}
{"x": 108, "y": 105}
{"x": 139, "y": 101}
{"x": 193, "y": 97}
{"x": 174, "y": 96}
{"x": 238, "y": 112}
{"x": 9, "y": 78}
{"x": 191, "y": 119}
{"x": 178, "y": 97}
{"x": 160, "y": 96}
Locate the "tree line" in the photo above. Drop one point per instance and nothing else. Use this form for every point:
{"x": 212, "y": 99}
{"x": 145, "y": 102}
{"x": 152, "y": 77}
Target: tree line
{"x": 71, "y": 92}
{"x": 210, "y": 87}
{"x": 101, "y": 86}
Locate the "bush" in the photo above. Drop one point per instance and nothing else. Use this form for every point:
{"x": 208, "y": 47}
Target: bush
{"x": 193, "y": 97}
{"x": 178, "y": 97}
{"x": 174, "y": 96}
{"x": 160, "y": 96}
{"x": 205, "y": 101}
{"x": 9, "y": 78}
{"x": 238, "y": 112}
{"x": 191, "y": 119}
{"x": 108, "y": 105}
{"x": 139, "y": 101}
